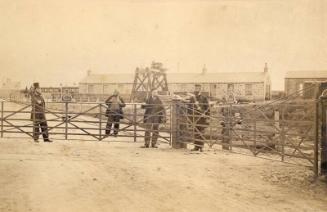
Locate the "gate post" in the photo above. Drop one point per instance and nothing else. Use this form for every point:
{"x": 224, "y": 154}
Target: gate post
{"x": 176, "y": 144}
{"x": 316, "y": 139}
{"x": 323, "y": 141}
{"x": 66, "y": 120}
{"x": 2, "y": 104}
{"x": 134, "y": 121}
{"x": 100, "y": 122}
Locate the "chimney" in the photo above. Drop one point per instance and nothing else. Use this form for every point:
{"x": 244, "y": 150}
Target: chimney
{"x": 266, "y": 68}
{"x": 89, "y": 72}
{"x": 204, "y": 70}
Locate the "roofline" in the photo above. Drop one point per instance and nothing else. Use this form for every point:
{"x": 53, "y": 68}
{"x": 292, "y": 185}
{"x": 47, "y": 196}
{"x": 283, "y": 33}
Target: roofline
{"x": 306, "y": 77}
{"x": 176, "y": 82}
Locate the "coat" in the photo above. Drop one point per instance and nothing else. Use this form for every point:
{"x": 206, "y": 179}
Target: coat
{"x": 38, "y": 108}
{"x": 154, "y": 111}
{"x": 202, "y": 108}
{"x": 115, "y": 112}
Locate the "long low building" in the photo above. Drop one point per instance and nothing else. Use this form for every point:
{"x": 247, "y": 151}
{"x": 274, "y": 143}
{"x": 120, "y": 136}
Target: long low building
{"x": 250, "y": 86}
{"x": 302, "y": 82}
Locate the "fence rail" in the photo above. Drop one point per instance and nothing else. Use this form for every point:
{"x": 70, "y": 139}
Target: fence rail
{"x": 69, "y": 120}
{"x": 286, "y": 131}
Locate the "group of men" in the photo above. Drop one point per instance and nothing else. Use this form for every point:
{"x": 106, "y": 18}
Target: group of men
{"x": 154, "y": 115}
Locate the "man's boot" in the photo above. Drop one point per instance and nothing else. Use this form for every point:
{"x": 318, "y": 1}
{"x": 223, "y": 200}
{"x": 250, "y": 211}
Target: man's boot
{"x": 196, "y": 148}
{"x": 154, "y": 146}
{"x": 145, "y": 146}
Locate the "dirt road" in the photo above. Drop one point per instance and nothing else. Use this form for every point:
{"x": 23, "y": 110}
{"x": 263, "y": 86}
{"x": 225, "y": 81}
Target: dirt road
{"x": 103, "y": 176}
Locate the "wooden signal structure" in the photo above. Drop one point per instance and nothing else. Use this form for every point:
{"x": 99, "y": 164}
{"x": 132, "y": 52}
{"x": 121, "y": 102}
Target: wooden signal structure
{"x": 148, "y": 79}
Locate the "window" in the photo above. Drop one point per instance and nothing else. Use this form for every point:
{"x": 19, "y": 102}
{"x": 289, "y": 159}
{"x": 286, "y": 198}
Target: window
{"x": 90, "y": 89}
{"x": 248, "y": 89}
{"x": 183, "y": 87}
{"x": 301, "y": 89}
{"x": 230, "y": 87}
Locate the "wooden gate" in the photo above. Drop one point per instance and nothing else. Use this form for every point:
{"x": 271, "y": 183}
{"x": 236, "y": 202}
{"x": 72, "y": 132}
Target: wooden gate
{"x": 79, "y": 121}
{"x": 285, "y": 130}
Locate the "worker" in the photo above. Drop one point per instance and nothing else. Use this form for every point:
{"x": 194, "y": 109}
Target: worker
{"x": 38, "y": 114}
{"x": 114, "y": 112}
{"x": 200, "y": 111}
{"x": 154, "y": 115}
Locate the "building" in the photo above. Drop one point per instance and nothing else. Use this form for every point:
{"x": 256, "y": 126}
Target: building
{"x": 9, "y": 88}
{"x": 303, "y": 82}
{"x": 249, "y": 86}
{"x": 8, "y": 84}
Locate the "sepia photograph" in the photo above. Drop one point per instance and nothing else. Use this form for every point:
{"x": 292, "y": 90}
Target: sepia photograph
{"x": 163, "y": 105}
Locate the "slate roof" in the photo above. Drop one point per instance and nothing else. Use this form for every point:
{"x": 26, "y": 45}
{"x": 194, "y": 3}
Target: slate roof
{"x": 306, "y": 74}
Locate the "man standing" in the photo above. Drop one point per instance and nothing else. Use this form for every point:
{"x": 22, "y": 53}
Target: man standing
{"x": 38, "y": 114}
{"x": 154, "y": 115}
{"x": 200, "y": 111}
{"x": 114, "y": 112}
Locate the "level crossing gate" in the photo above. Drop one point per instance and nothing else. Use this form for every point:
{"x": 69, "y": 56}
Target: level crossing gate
{"x": 286, "y": 130}
{"x": 79, "y": 121}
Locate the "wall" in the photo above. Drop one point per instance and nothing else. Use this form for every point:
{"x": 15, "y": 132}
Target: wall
{"x": 293, "y": 85}
{"x": 216, "y": 90}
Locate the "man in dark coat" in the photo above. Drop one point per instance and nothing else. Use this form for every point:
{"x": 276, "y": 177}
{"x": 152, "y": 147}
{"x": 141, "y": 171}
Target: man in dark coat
{"x": 38, "y": 114}
{"x": 154, "y": 115}
{"x": 114, "y": 112}
{"x": 200, "y": 110}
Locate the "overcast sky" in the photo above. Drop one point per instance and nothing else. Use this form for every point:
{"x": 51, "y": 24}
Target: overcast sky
{"x": 58, "y": 41}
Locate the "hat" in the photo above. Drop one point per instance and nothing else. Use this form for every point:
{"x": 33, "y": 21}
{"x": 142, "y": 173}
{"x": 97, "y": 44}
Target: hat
{"x": 36, "y": 85}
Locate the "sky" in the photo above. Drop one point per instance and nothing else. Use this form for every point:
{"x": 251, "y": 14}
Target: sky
{"x": 55, "y": 42}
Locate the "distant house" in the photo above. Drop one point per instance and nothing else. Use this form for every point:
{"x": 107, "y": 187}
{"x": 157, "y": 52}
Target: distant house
{"x": 9, "y": 88}
{"x": 251, "y": 86}
{"x": 302, "y": 82}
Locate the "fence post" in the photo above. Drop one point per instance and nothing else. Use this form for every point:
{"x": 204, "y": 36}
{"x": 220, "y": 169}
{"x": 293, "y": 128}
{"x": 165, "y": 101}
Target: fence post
{"x": 2, "y": 108}
{"x": 33, "y": 117}
{"x": 230, "y": 126}
{"x": 316, "y": 136}
{"x": 283, "y": 131}
{"x": 210, "y": 125}
{"x": 194, "y": 124}
{"x": 175, "y": 126}
{"x": 66, "y": 120}
{"x": 100, "y": 122}
{"x": 134, "y": 121}
{"x": 255, "y": 136}
{"x": 323, "y": 156}
{"x": 171, "y": 124}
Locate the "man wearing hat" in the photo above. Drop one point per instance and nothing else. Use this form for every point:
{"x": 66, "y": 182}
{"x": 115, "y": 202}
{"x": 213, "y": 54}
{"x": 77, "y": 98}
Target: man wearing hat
{"x": 114, "y": 112}
{"x": 200, "y": 110}
{"x": 38, "y": 114}
{"x": 154, "y": 115}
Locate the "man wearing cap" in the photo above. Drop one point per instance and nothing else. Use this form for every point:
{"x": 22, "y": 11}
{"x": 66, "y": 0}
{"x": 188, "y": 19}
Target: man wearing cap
{"x": 38, "y": 114}
{"x": 114, "y": 112}
{"x": 154, "y": 115}
{"x": 200, "y": 110}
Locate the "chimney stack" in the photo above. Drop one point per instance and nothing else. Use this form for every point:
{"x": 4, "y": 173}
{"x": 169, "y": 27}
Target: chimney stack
{"x": 266, "y": 68}
{"x": 204, "y": 70}
{"x": 89, "y": 72}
